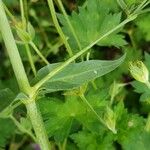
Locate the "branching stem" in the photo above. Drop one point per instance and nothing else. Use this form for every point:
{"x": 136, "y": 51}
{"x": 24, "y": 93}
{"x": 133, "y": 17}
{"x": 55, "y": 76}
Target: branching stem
{"x": 58, "y": 69}
{"x": 22, "y": 80}
{"x": 56, "y": 23}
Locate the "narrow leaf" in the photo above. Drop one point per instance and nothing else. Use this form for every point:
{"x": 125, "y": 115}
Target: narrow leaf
{"x": 76, "y": 74}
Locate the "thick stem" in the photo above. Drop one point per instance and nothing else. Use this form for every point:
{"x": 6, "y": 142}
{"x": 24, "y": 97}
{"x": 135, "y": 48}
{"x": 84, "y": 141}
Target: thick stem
{"x": 13, "y": 51}
{"x": 22, "y": 79}
{"x": 37, "y": 123}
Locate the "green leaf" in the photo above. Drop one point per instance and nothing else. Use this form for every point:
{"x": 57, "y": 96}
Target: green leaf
{"x": 147, "y": 61}
{"x": 6, "y": 97}
{"x": 31, "y": 30}
{"x": 59, "y": 116}
{"x": 76, "y": 74}
{"x": 7, "y": 129}
{"x": 88, "y": 141}
{"x": 145, "y": 98}
{"x": 140, "y": 87}
{"x": 143, "y": 26}
{"x": 136, "y": 140}
{"x": 92, "y": 22}
{"x": 131, "y": 134}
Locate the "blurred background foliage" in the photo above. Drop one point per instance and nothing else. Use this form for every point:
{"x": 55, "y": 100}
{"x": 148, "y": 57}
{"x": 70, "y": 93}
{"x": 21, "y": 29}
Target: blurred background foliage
{"x": 134, "y": 110}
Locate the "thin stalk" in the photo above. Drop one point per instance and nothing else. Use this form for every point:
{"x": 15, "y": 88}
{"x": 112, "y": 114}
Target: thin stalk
{"x": 25, "y": 3}
{"x": 24, "y": 22}
{"x": 30, "y": 59}
{"x": 26, "y": 45}
{"x": 122, "y": 4}
{"x": 9, "y": 14}
{"x": 22, "y": 14}
{"x": 45, "y": 37}
{"x": 56, "y": 23}
{"x": 22, "y": 129}
{"x": 69, "y": 23}
{"x": 58, "y": 69}
{"x": 22, "y": 79}
{"x": 38, "y": 52}
{"x": 92, "y": 109}
{"x": 147, "y": 126}
{"x": 141, "y": 6}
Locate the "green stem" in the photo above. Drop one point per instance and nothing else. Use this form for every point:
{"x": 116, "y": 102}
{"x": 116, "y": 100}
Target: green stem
{"x": 54, "y": 17}
{"x": 58, "y": 69}
{"x": 22, "y": 129}
{"x": 69, "y": 23}
{"x": 24, "y": 22}
{"x": 37, "y": 122}
{"x": 141, "y": 6}
{"x": 147, "y": 126}
{"x": 30, "y": 59}
{"x": 22, "y": 15}
{"x": 38, "y": 52}
{"x": 22, "y": 79}
{"x": 148, "y": 84}
{"x": 26, "y": 45}
{"x": 13, "y": 51}
{"x": 92, "y": 109}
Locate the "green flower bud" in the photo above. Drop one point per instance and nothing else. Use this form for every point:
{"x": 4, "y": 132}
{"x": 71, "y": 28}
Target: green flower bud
{"x": 139, "y": 71}
{"x": 110, "y": 120}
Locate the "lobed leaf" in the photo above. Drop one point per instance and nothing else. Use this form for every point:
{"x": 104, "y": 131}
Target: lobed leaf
{"x": 90, "y": 23}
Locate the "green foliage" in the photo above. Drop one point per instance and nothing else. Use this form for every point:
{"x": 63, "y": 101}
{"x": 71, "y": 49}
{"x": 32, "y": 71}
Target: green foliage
{"x": 143, "y": 26}
{"x": 88, "y": 141}
{"x": 76, "y": 74}
{"x": 85, "y": 104}
{"x": 7, "y": 129}
{"x": 6, "y": 97}
{"x": 59, "y": 116}
{"x": 92, "y": 22}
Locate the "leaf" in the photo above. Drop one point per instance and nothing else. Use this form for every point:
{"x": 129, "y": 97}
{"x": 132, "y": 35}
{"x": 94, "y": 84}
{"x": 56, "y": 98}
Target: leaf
{"x": 136, "y": 140}
{"x": 143, "y": 26}
{"x": 31, "y": 30}
{"x": 6, "y": 97}
{"x": 92, "y": 22}
{"x": 145, "y": 98}
{"x": 59, "y": 116}
{"x": 140, "y": 87}
{"x": 88, "y": 141}
{"x": 76, "y": 74}
{"x": 7, "y": 129}
{"x": 131, "y": 134}
{"x": 147, "y": 61}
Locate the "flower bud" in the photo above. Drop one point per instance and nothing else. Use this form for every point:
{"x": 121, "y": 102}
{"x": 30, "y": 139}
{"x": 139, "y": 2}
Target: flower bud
{"x": 139, "y": 71}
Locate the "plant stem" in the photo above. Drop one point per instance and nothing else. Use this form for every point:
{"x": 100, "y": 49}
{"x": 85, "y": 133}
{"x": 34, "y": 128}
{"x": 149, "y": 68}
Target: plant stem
{"x": 147, "y": 126}
{"x": 92, "y": 109}
{"x": 22, "y": 15}
{"x": 22, "y": 79}
{"x": 54, "y": 17}
{"x": 38, "y": 52}
{"x": 69, "y": 23}
{"x": 30, "y": 59}
{"x": 24, "y": 22}
{"x": 37, "y": 122}
{"x": 13, "y": 51}
{"x": 58, "y": 69}
{"x": 22, "y": 129}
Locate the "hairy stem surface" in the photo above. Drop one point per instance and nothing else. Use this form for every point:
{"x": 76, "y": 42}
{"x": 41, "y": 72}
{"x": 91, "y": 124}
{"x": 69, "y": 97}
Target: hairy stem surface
{"x": 22, "y": 79}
